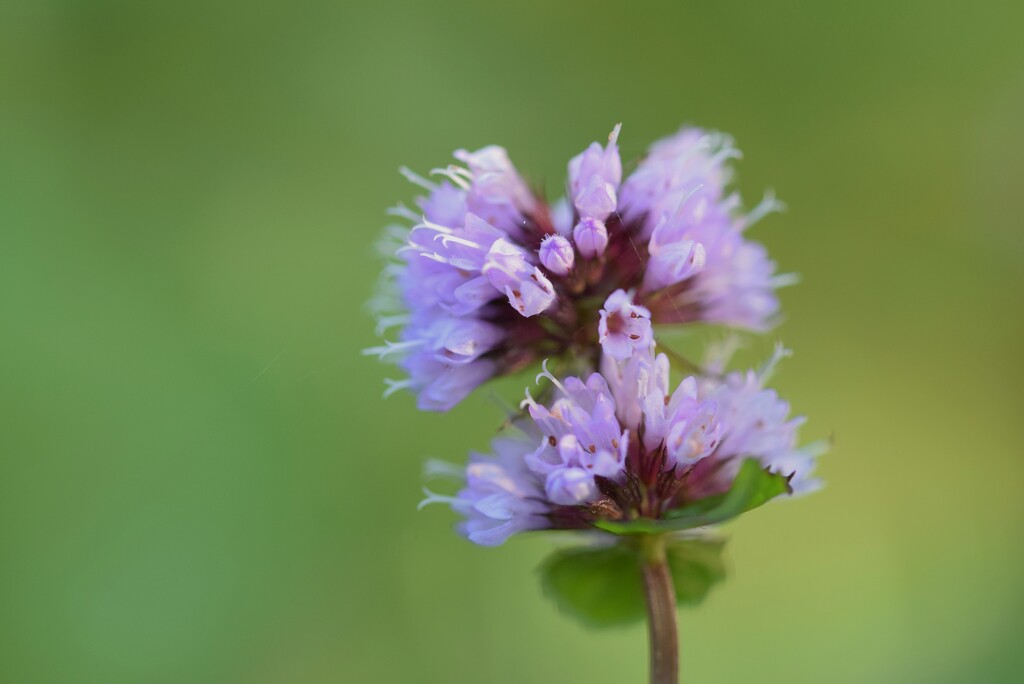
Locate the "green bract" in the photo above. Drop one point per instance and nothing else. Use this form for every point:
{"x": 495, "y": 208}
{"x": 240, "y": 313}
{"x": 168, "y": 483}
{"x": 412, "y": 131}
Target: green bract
{"x": 752, "y": 487}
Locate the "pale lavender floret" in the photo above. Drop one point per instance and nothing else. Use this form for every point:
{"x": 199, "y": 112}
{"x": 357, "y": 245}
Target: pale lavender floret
{"x": 496, "y": 192}
{"x": 735, "y": 282}
{"x": 624, "y": 327}
{"x": 557, "y": 255}
{"x": 501, "y": 495}
{"x": 594, "y": 178}
{"x": 440, "y": 385}
{"x": 450, "y": 273}
{"x": 451, "y": 339}
{"x": 694, "y": 427}
{"x": 673, "y": 169}
{"x": 737, "y": 285}
{"x": 685, "y": 422}
{"x": 759, "y": 425}
{"x": 675, "y": 249}
{"x": 442, "y": 355}
{"x": 509, "y": 271}
{"x": 591, "y": 237}
{"x": 581, "y": 438}
{"x": 444, "y": 265}
{"x": 445, "y": 205}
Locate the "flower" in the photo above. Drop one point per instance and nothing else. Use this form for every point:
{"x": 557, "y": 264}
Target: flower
{"x": 622, "y": 445}
{"x": 490, "y": 278}
{"x": 624, "y": 327}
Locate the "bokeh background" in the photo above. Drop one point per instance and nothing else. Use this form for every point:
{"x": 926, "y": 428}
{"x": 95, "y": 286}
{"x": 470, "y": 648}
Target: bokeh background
{"x": 200, "y": 481}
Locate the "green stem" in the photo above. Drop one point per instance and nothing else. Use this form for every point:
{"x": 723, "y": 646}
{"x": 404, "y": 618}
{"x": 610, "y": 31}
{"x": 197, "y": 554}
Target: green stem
{"x": 661, "y": 611}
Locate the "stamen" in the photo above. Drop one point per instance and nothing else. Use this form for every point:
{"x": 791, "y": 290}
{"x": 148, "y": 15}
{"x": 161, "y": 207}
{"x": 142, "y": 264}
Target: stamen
{"x": 528, "y": 402}
{"x": 545, "y": 373}
{"x": 769, "y": 367}
{"x": 387, "y": 322}
{"x": 434, "y": 256}
{"x": 430, "y": 225}
{"x": 389, "y": 348}
{"x": 438, "y": 468}
{"x": 766, "y": 206}
{"x": 456, "y": 174}
{"x": 445, "y": 239}
{"x": 435, "y": 498}
{"x": 785, "y": 279}
{"x": 727, "y": 152}
{"x": 403, "y": 211}
{"x": 396, "y": 385}
{"x": 613, "y": 137}
{"x": 417, "y": 179}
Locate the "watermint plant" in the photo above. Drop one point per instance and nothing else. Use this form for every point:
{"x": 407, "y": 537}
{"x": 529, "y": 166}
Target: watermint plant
{"x": 490, "y": 279}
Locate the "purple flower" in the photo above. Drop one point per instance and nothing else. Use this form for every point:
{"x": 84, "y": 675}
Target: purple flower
{"x": 508, "y": 268}
{"x": 557, "y": 255}
{"x": 760, "y": 425}
{"x": 594, "y": 178}
{"x": 524, "y": 280}
{"x": 591, "y": 237}
{"x": 501, "y": 496}
{"x": 622, "y": 445}
{"x": 624, "y": 327}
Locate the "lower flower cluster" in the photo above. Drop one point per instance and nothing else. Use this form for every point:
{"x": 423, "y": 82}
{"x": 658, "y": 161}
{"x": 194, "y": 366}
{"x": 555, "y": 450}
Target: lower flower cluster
{"x": 624, "y": 445}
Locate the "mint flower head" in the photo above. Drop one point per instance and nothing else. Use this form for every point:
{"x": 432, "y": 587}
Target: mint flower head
{"x": 490, "y": 278}
{"x": 624, "y": 451}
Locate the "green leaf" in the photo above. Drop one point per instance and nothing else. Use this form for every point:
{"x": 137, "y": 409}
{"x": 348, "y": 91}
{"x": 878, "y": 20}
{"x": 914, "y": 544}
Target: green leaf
{"x": 603, "y": 586}
{"x": 697, "y": 565}
{"x": 753, "y": 487}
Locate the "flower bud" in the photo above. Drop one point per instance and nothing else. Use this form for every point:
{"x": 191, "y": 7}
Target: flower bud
{"x": 557, "y": 255}
{"x": 591, "y": 237}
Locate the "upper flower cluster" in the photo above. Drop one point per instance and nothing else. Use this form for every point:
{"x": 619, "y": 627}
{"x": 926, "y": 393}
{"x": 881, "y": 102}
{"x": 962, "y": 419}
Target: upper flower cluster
{"x": 490, "y": 278}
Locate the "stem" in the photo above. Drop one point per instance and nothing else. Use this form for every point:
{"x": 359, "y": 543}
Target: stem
{"x": 661, "y": 612}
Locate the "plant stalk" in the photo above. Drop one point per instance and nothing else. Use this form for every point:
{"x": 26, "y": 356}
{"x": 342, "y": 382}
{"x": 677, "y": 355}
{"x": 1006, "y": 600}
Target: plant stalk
{"x": 660, "y": 595}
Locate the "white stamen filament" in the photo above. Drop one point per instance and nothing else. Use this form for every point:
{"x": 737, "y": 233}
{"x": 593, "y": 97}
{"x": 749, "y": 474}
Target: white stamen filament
{"x": 389, "y": 348}
{"x": 766, "y": 206}
{"x": 438, "y": 468}
{"x": 405, "y": 212}
{"x": 396, "y": 385}
{"x": 430, "y": 225}
{"x": 417, "y": 179}
{"x": 769, "y": 367}
{"x": 445, "y": 239}
{"x": 385, "y": 323}
{"x": 435, "y": 498}
{"x": 613, "y": 137}
{"x": 456, "y": 174}
{"x": 785, "y": 279}
{"x": 528, "y": 402}
{"x": 545, "y": 373}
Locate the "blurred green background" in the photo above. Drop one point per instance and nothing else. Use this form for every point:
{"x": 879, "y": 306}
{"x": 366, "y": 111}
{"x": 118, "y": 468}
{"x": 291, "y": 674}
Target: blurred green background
{"x": 200, "y": 481}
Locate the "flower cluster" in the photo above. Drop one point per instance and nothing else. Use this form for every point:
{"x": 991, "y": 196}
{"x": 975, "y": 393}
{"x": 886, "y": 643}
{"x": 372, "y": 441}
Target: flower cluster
{"x": 623, "y": 444}
{"x": 491, "y": 279}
